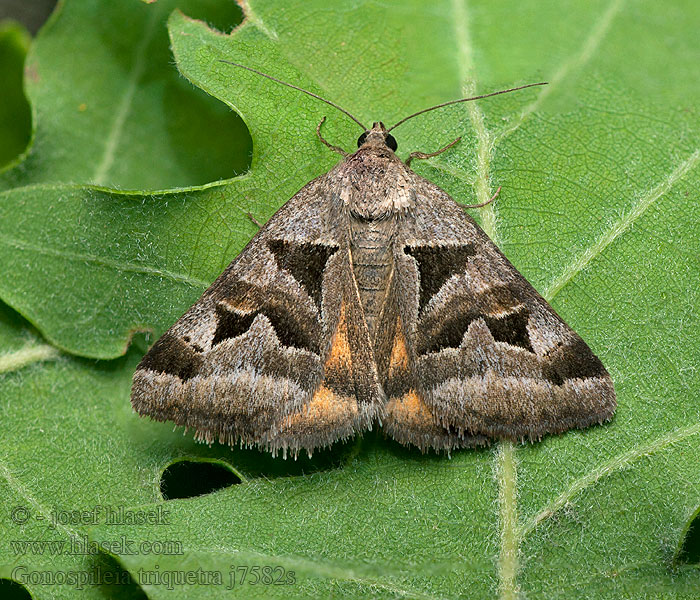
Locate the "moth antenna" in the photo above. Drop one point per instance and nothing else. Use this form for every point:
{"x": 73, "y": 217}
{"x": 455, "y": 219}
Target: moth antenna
{"x": 333, "y": 104}
{"x": 420, "y": 112}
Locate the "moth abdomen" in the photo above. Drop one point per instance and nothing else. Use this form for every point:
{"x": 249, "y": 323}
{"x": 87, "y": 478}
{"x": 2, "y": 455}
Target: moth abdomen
{"x": 372, "y": 264}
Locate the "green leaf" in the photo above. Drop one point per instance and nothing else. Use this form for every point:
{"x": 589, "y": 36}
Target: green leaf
{"x": 110, "y": 109}
{"x": 597, "y": 209}
{"x": 63, "y": 447}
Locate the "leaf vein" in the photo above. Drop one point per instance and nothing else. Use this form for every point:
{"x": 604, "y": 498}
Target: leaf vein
{"x": 619, "y": 227}
{"x": 122, "y": 112}
{"x": 38, "y": 507}
{"x": 614, "y": 464}
{"x": 585, "y": 53}
{"x": 31, "y": 353}
{"x": 319, "y": 569}
{"x": 510, "y": 539}
{"x": 104, "y": 262}
{"x": 484, "y": 139}
{"x": 505, "y": 456}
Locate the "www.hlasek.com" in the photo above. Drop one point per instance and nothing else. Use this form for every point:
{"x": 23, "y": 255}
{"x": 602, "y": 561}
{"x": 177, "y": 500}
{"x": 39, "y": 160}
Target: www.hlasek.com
{"x": 79, "y": 545}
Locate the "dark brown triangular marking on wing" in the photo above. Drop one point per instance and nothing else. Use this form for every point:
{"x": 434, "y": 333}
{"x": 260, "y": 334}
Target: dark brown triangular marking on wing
{"x": 171, "y": 355}
{"x": 575, "y": 360}
{"x": 231, "y": 324}
{"x": 449, "y": 335}
{"x": 510, "y": 328}
{"x": 290, "y": 332}
{"x": 436, "y": 264}
{"x": 305, "y": 262}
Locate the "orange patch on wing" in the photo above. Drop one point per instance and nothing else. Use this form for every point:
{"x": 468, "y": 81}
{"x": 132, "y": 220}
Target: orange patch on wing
{"x": 398, "y": 361}
{"x": 328, "y": 409}
{"x": 339, "y": 357}
{"x": 410, "y": 409}
{"x": 325, "y": 408}
{"x": 325, "y": 404}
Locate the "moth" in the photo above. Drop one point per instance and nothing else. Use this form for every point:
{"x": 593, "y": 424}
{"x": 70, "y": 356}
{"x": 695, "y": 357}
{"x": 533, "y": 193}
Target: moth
{"x": 370, "y": 298}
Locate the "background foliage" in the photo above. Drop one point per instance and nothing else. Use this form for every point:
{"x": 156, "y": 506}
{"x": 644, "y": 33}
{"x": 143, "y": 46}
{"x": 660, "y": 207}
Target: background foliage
{"x": 598, "y": 209}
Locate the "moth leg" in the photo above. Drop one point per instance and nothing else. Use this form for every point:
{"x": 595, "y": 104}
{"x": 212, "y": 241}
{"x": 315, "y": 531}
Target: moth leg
{"x": 337, "y": 149}
{"x": 422, "y": 155}
{"x": 491, "y": 199}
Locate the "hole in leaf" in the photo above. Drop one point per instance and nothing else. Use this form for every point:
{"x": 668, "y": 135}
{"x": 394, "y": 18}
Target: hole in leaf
{"x": 207, "y": 140}
{"x": 222, "y": 16}
{"x": 113, "y": 581}
{"x": 689, "y": 552}
{"x": 11, "y": 590}
{"x": 187, "y": 479}
{"x": 15, "y": 112}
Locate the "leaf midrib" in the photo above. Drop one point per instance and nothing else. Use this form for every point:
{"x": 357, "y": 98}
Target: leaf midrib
{"x": 505, "y": 468}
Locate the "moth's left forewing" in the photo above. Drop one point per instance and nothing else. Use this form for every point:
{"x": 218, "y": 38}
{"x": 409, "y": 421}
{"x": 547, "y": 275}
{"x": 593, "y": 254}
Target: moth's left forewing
{"x": 488, "y": 355}
{"x": 347, "y": 399}
{"x": 259, "y": 358}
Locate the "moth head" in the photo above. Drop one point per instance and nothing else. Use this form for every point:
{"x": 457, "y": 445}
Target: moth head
{"x": 377, "y": 136}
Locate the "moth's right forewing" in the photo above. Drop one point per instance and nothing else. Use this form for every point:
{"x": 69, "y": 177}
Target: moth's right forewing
{"x": 486, "y": 356}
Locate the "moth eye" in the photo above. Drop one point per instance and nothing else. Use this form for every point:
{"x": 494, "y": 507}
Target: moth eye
{"x": 362, "y": 138}
{"x": 390, "y": 141}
